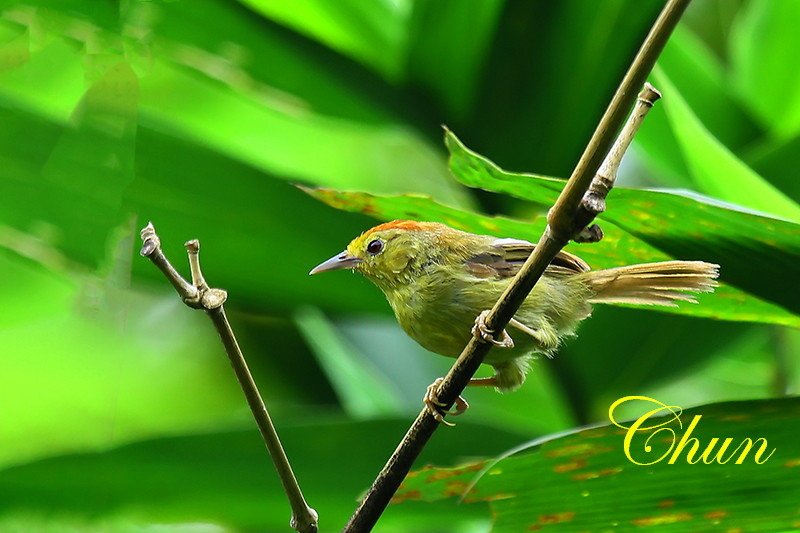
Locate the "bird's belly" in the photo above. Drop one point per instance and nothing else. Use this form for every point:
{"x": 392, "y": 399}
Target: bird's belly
{"x": 440, "y": 331}
{"x": 441, "y": 320}
{"x": 447, "y": 333}
{"x": 440, "y": 316}
{"x": 432, "y": 314}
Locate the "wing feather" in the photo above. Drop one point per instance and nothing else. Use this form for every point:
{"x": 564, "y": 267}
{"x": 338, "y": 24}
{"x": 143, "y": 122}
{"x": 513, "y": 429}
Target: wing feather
{"x": 505, "y": 257}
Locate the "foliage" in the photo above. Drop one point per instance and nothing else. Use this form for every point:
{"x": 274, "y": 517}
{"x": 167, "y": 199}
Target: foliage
{"x": 583, "y": 481}
{"x": 118, "y": 409}
{"x": 643, "y": 226}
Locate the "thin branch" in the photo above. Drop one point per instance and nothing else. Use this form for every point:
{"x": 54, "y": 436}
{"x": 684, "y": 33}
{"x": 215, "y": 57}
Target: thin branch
{"x": 199, "y": 295}
{"x": 151, "y": 248}
{"x": 594, "y": 201}
{"x": 562, "y": 226}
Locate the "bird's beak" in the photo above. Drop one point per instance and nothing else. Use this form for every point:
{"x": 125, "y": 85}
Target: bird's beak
{"x": 337, "y": 262}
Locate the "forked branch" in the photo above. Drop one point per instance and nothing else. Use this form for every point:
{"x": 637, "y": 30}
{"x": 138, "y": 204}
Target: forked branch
{"x": 199, "y": 295}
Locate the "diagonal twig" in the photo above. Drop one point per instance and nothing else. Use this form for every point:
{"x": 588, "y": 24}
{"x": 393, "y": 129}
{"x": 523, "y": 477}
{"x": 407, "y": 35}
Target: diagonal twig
{"x": 594, "y": 201}
{"x": 563, "y": 225}
{"x": 199, "y": 295}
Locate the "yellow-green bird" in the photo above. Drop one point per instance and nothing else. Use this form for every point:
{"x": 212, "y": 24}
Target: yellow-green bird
{"x": 439, "y": 279}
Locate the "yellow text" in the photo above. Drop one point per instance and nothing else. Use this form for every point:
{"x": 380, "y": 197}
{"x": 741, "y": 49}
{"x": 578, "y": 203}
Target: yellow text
{"x": 655, "y": 425}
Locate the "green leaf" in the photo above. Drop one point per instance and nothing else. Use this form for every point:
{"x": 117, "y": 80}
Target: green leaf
{"x": 184, "y": 131}
{"x": 715, "y": 169}
{"x": 548, "y": 77}
{"x": 294, "y": 144}
{"x": 364, "y": 393}
{"x": 225, "y": 478}
{"x": 755, "y": 252}
{"x": 215, "y": 103}
{"x": 620, "y": 246}
{"x": 584, "y": 481}
{"x": 373, "y": 32}
{"x": 410, "y": 369}
{"x": 90, "y": 367}
{"x": 691, "y": 361}
{"x": 780, "y": 163}
{"x": 764, "y": 32}
{"x": 702, "y": 81}
{"x": 228, "y": 44}
{"x": 243, "y": 226}
{"x": 462, "y": 31}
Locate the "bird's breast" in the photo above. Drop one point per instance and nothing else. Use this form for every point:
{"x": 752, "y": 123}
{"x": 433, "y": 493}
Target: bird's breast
{"x": 438, "y": 310}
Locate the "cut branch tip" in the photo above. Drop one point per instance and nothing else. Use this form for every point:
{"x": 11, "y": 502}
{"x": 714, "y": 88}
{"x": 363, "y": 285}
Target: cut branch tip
{"x": 649, "y": 95}
{"x": 150, "y": 240}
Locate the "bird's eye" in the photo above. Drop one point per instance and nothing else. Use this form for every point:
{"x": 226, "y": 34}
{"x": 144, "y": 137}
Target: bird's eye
{"x": 375, "y": 247}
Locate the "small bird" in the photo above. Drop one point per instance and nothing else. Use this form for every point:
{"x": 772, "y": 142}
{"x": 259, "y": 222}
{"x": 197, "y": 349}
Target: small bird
{"x": 438, "y": 280}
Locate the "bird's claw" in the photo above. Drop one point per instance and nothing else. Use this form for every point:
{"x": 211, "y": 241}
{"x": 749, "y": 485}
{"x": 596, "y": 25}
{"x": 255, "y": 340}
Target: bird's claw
{"x": 485, "y": 334}
{"x": 435, "y": 407}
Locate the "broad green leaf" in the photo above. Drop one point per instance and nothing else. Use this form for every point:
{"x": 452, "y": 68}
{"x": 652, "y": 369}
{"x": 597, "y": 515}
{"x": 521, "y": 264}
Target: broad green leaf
{"x": 779, "y": 162}
{"x": 181, "y": 93}
{"x": 255, "y": 244}
{"x": 224, "y": 42}
{"x": 691, "y": 361}
{"x": 619, "y": 247}
{"x": 755, "y": 252}
{"x": 461, "y": 31}
{"x": 373, "y": 32}
{"x": 224, "y": 477}
{"x": 584, "y": 481}
{"x": 364, "y": 393}
{"x": 294, "y": 144}
{"x": 410, "y": 369}
{"x": 550, "y": 73}
{"x": 710, "y": 21}
{"x": 715, "y": 169}
{"x": 701, "y": 80}
{"x": 170, "y": 169}
{"x": 85, "y": 368}
{"x": 764, "y": 33}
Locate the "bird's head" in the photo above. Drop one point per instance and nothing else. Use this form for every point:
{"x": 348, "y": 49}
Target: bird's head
{"x": 392, "y": 254}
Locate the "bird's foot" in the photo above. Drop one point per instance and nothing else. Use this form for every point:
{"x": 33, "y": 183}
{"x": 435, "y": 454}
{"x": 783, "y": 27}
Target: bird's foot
{"x": 485, "y": 334}
{"x": 435, "y": 407}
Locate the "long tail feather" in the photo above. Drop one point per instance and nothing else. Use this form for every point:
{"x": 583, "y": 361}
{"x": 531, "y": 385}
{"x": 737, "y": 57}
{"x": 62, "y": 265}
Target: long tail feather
{"x": 664, "y": 283}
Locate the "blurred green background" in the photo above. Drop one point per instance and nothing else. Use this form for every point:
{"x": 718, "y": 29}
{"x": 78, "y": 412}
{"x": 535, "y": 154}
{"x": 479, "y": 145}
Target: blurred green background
{"x": 117, "y": 407}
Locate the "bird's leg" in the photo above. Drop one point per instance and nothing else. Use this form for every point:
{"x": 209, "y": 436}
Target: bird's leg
{"x": 485, "y": 334}
{"x": 483, "y": 382}
{"x": 434, "y": 406}
{"x": 545, "y": 335}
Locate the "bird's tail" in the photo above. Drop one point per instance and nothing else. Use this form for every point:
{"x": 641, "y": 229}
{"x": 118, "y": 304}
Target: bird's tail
{"x": 652, "y": 284}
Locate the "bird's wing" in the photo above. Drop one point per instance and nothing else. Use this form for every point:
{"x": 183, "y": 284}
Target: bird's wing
{"x": 505, "y": 257}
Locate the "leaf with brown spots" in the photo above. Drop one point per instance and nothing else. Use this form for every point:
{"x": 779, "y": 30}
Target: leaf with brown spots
{"x": 572, "y": 483}
{"x": 753, "y": 271}
{"x": 757, "y": 253}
